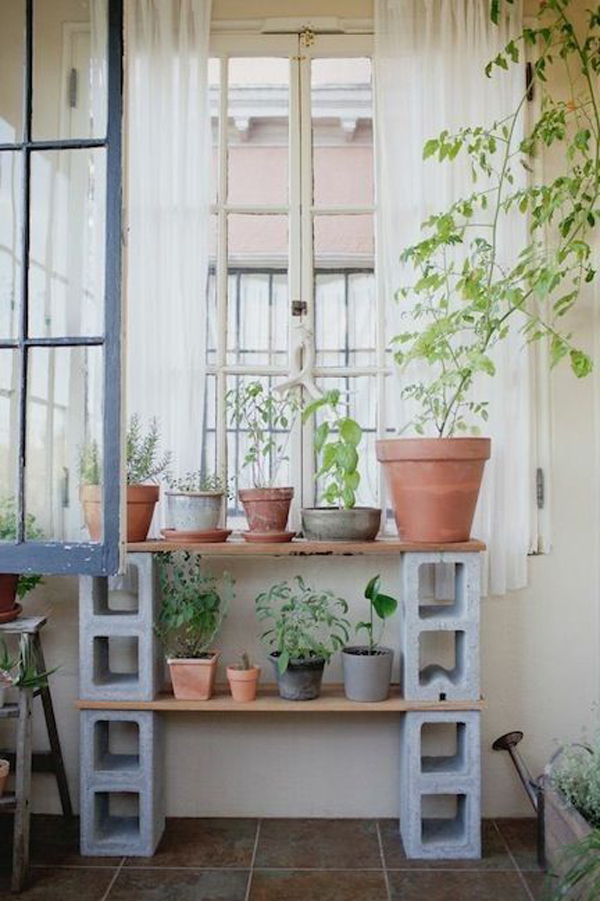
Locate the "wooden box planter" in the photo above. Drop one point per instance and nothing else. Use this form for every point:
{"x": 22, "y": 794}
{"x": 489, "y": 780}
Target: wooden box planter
{"x": 563, "y": 827}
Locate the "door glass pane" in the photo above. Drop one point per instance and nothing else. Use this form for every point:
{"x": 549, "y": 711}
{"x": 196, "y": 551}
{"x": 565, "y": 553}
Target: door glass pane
{"x": 12, "y": 30}
{"x": 66, "y": 264}
{"x": 214, "y": 89}
{"x": 342, "y": 131}
{"x": 343, "y": 240}
{"x": 70, "y": 69}
{"x": 64, "y": 430}
{"x": 345, "y": 318}
{"x": 9, "y": 418}
{"x": 10, "y": 242}
{"x": 258, "y": 113}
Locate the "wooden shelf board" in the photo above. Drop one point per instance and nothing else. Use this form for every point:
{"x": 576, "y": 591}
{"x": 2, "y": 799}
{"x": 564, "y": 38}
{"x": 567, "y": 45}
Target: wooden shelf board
{"x": 301, "y": 547}
{"x": 332, "y": 700}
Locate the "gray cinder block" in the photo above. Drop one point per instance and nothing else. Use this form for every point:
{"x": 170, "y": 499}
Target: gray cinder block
{"x": 456, "y": 777}
{"x": 122, "y": 794}
{"x": 460, "y": 618}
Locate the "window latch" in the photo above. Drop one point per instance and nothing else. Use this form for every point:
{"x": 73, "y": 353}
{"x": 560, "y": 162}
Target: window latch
{"x": 299, "y": 308}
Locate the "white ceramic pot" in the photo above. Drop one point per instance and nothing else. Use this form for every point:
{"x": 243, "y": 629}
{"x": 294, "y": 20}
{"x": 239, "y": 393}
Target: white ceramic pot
{"x": 193, "y": 511}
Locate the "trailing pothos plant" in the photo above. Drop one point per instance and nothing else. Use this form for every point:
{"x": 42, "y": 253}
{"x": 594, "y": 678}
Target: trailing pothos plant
{"x": 336, "y": 441}
{"x": 466, "y": 298}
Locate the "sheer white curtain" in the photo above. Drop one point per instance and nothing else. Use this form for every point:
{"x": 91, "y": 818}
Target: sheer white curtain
{"x": 429, "y": 74}
{"x": 168, "y": 201}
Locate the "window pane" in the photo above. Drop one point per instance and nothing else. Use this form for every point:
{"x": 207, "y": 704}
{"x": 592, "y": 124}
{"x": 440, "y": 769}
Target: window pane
{"x": 10, "y": 242}
{"x": 342, "y": 131}
{"x": 346, "y": 318}
{"x": 12, "y": 31}
{"x": 209, "y": 432}
{"x": 214, "y": 88}
{"x": 66, "y": 275}
{"x": 9, "y": 417}
{"x": 343, "y": 240}
{"x": 64, "y": 421}
{"x": 359, "y": 395}
{"x": 258, "y": 113}
{"x": 70, "y": 45}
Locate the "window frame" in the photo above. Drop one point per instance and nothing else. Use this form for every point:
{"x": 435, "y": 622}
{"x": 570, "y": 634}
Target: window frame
{"x": 68, "y": 557}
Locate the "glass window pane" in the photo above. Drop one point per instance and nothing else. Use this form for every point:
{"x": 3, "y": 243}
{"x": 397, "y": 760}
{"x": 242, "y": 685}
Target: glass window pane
{"x": 343, "y": 241}
{"x": 12, "y": 32}
{"x": 70, "y": 69}
{"x": 9, "y": 446}
{"x": 64, "y": 423}
{"x": 214, "y": 89}
{"x": 342, "y": 131}
{"x": 258, "y": 113}
{"x": 66, "y": 269}
{"x": 346, "y": 318}
{"x": 10, "y": 242}
{"x": 209, "y": 431}
{"x": 359, "y": 395}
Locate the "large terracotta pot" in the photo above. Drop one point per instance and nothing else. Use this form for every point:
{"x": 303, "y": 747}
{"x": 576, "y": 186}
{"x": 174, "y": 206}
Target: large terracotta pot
{"x": 434, "y": 485}
{"x": 267, "y": 509}
{"x": 141, "y": 501}
{"x": 8, "y": 592}
{"x": 194, "y": 678}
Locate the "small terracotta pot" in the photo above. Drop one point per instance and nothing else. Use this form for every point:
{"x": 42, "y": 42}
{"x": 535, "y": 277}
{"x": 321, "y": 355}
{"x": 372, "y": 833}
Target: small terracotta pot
{"x": 8, "y": 592}
{"x": 434, "y": 485}
{"x": 141, "y": 501}
{"x": 267, "y": 509}
{"x": 4, "y": 771}
{"x": 243, "y": 682}
{"x": 193, "y": 678}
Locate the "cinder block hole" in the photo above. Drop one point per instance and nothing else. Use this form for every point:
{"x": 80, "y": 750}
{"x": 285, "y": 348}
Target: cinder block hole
{"x": 116, "y": 816}
{"x": 441, "y": 590}
{"x": 122, "y": 593}
{"x": 116, "y": 660}
{"x": 441, "y": 654}
{"x": 443, "y": 748}
{"x": 116, "y": 745}
{"x": 443, "y": 819}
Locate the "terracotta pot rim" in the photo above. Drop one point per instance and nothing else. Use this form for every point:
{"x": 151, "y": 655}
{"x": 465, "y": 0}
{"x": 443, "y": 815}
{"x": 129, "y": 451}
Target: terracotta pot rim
{"x": 174, "y": 493}
{"x": 243, "y": 675}
{"x": 196, "y": 661}
{"x": 89, "y": 492}
{"x": 142, "y": 494}
{"x": 392, "y": 449}
{"x": 265, "y": 494}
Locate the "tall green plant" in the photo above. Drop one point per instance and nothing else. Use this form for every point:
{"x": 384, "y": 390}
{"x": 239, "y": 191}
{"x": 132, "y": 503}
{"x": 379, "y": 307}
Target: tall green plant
{"x": 381, "y": 606}
{"x": 143, "y": 460}
{"x": 465, "y": 298}
{"x": 336, "y": 441}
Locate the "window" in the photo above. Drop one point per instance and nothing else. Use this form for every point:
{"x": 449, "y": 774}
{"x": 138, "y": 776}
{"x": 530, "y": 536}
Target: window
{"x": 60, "y": 237}
{"x": 293, "y": 258}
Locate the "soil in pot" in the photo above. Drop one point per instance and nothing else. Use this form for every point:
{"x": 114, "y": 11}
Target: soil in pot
{"x": 193, "y": 678}
{"x": 243, "y": 682}
{"x": 267, "y": 509}
{"x": 301, "y": 680}
{"x": 434, "y": 485}
{"x": 334, "y": 524}
{"x": 141, "y": 501}
{"x": 197, "y": 511}
{"x": 367, "y": 676}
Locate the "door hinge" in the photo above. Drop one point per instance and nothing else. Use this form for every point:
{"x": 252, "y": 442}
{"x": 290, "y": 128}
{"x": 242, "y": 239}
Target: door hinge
{"x": 299, "y": 308}
{"x": 540, "y": 488}
{"x": 72, "y": 88}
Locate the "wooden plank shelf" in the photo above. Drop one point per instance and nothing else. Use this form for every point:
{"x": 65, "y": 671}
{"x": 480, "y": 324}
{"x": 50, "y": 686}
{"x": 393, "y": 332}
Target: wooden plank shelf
{"x": 332, "y": 700}
{"x": 300, "y": 547}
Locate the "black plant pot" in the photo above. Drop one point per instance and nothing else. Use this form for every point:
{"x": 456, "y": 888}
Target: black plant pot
{"x": 301, "y": 680}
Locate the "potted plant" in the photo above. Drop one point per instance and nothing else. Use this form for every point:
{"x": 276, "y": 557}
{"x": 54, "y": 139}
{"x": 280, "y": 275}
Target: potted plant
{"x": 308, "y": 626}
{"x": 143, "y": 465}
{"x": 368, "y": 668}
{"x": 267, "y": 419}
{"x": 243, "y": 679}
{"x": 336, "y": 441}
{"x": 14, "y": 586}
{"x": 192, "y": 612}
{"x": 467, "y": 297}
{"x": 20, "y": 671}
{"x": 194, "y": 504}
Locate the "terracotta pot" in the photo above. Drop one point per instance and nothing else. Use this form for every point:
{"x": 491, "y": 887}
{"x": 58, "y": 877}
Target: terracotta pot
{"x": 193, "y": 679}
{"x": 141, "y": 501}
{"x": 8, "y": 592}
{"x": 4, "y": 771}
{"x": 267, "y": 509}
{"x": 243, "y": 682}
{"x": 434, "y": 485}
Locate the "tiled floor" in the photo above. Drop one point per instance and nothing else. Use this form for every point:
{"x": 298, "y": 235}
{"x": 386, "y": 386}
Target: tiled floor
{"x": 277, "y": 860}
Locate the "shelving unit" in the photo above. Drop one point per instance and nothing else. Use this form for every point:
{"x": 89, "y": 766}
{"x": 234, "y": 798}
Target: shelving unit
{"x": 432, "y": 696}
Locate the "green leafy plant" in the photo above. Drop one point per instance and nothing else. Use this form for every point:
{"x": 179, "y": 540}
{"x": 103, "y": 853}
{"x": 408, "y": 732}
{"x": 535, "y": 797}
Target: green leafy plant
{"x": 581, "y": 862}
{"x": 142, "y": 458}
{"x": 8, "y": 532}
{"x": 306, "y": 622}
{"x": 90, "y": 466}
{"x": 193, "y": 604}
{"x": 466, "y": 297}
{"x": 267, "y": 418}
{"x": 198, "y": 481}
{"x": 21, "y": 671}
{"x": 381, "y": 606}
{"x": 336, "y": 440}
{"x": 577, "y": 777}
